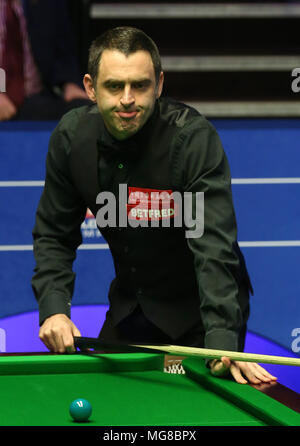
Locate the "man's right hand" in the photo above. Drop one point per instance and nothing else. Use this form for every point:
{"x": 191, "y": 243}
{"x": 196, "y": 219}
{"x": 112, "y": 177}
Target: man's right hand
{"x": 57, "y": 333}
{"x": 7, "y": 108}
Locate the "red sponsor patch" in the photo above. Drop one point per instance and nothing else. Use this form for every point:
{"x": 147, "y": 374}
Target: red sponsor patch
{"x": 150, "y": 204}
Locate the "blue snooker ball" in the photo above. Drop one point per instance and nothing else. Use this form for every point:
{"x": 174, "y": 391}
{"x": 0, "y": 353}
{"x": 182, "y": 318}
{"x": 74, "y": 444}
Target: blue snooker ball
{"x": 80, "y": 409}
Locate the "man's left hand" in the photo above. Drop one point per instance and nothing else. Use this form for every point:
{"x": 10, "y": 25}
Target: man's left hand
{"x": 242, "y": 372}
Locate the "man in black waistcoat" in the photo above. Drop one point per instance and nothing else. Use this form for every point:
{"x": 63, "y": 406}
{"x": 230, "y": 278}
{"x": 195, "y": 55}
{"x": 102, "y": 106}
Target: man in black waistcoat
{"x": 143, "y": 164}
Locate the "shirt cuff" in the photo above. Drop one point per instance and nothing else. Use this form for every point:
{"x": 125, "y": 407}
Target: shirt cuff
{"x": 221, "y": 340}
{"x": 55, "y": 303}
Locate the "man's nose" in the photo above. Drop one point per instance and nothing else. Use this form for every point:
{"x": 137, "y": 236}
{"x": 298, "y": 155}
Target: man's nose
{"x": 127, "y": 98}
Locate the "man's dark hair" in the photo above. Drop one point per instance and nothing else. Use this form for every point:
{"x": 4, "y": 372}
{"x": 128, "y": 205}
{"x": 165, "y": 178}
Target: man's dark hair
{"x": 127, "y": 40}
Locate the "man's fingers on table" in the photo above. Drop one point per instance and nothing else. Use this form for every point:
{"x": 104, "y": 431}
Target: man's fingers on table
{"x": 236, "y": 373}
{"x": 232, "y": 368}
{"x": 265, "y": 373}
{"x": 242, "y": 372}
{"x": 226, "y": 366}
{"x": 248, "y": 372}
{"x": 255, "y": 373}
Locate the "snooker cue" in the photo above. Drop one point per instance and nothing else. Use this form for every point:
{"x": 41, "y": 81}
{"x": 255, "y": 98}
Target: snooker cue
{"x": 218, "y": 354}
{"x": 206, "y": 353}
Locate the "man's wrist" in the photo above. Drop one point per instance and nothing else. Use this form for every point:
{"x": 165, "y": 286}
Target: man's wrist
{"x": 55, "y": 303}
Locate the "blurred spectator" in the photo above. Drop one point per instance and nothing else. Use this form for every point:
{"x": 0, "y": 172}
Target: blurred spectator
{"x": 38, "y": 56}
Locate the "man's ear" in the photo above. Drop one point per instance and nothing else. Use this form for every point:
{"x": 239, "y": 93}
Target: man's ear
{"x": 159, "y": 86}
{"x": 89, "y": 87}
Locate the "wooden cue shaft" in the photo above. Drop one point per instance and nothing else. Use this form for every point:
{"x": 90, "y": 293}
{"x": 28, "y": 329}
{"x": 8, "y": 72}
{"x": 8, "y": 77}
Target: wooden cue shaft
{"x": 218, "y": 354}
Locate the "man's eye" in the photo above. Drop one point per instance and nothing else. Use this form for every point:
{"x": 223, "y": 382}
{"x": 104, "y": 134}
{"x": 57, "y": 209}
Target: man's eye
{"x": 114, "y": 87}
{"x": 140, "y": 86}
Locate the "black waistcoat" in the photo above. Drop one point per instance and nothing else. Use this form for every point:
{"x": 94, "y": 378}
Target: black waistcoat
{"x": 154, "y": 266}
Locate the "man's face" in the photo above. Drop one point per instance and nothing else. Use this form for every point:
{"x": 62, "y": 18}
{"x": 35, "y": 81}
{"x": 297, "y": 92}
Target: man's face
{"x": 126, "y": 91}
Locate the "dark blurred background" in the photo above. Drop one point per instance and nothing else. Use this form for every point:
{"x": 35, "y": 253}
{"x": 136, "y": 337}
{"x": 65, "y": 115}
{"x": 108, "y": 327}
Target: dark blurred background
{"x": 235, "y": 58}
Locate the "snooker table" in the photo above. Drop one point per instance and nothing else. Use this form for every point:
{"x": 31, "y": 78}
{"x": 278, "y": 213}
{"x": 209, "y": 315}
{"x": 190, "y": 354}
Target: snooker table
{"x": 129, "y": 390}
